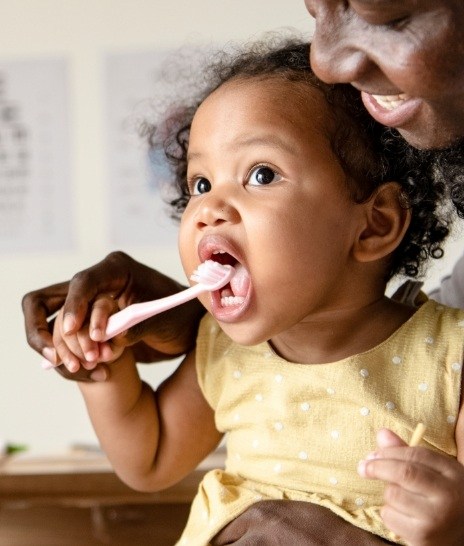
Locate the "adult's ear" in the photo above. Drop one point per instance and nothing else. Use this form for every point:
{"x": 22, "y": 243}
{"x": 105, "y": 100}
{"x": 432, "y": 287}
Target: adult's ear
{"x": 386, "y": 220}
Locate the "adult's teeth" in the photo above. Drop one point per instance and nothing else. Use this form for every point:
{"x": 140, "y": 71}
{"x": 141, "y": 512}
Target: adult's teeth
{"x": 390, "y": 102}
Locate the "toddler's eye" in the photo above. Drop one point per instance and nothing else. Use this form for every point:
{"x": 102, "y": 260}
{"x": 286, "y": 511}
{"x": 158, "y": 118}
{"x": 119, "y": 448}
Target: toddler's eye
{"x": 201, "y": 185}
{"x": 261, "y": 176}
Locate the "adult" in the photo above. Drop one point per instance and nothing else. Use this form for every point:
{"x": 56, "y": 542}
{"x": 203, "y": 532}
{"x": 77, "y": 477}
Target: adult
{"x": 407, "y": 60}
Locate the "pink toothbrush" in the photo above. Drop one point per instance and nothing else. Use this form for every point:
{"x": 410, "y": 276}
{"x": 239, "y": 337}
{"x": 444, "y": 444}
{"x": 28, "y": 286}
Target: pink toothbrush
{"x": 209, "y": 275}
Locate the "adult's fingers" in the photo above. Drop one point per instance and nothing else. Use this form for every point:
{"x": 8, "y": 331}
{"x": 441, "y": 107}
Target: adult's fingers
{"x": 103, "y": 307}
{"x": 409, "y": 504}
{"x": 109, "y": 276}
{"x": 408, "y": 466}
{"x": 387, "y": 438}
{"x": 38, "y": 306}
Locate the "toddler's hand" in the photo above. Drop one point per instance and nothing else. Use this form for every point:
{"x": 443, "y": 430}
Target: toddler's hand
{"x": 424, "y": 493}
{"x": 79, "y": 349}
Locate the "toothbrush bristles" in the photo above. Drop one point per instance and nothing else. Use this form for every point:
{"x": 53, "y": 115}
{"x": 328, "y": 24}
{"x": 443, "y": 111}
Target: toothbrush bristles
{"x": 210, "y": 272}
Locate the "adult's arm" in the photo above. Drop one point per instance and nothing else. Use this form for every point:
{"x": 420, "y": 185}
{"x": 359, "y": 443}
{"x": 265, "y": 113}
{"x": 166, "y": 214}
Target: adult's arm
{"x": 162, "y": 337}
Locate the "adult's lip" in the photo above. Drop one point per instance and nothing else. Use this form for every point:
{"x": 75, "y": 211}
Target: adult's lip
{"x": 391, "y": 110}
{"x": 230, "y": 302}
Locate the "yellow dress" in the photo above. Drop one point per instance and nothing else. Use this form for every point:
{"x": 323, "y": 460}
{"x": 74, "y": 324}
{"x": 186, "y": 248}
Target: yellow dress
{"x": 297, "y": 431}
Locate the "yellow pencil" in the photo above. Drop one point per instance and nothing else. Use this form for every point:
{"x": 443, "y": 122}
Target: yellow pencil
{"x": 417, "y": 435}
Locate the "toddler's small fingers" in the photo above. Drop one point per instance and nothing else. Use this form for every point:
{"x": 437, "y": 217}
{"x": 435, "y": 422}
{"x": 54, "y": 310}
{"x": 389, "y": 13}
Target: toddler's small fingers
{"x": 89, "y": 348}
{"x": 70, "y": 360}
{"x": 109, "y": 352}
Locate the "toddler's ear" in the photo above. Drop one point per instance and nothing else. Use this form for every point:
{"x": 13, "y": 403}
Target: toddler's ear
{"x": 386, "y": 220}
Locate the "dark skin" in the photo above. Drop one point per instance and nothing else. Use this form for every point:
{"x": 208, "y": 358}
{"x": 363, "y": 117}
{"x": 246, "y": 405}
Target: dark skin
{"x": 406, "y": 57}
{"x": 383, "y": 48}
{"x": 153, "y": 340}
{"x": 279, "y": 523}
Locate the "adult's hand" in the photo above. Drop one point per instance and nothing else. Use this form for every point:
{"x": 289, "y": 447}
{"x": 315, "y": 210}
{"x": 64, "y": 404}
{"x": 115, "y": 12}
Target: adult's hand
{"x": 281, "y": 523}
{"x": 424, "y": 492}
{"x": 159, "y": 338}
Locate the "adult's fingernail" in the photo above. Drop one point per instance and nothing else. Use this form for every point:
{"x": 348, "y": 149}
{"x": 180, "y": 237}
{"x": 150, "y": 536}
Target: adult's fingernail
{"x": 46, "y": 364}
{"x": 68, "y": 323}
{"x": 100, "y": 374}
{"x": 49, "y": 354}
{"x": 362, "y": 468}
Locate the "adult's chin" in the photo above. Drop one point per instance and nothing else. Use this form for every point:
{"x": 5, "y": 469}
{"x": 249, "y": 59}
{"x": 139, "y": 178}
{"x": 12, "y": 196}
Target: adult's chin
{"x": 430, "y": 139}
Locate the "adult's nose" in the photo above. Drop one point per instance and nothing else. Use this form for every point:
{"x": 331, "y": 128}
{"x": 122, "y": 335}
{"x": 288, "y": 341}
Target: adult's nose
{"x": 335, "y": 54}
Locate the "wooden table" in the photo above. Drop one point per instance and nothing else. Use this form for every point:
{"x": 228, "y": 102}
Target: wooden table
{"x": 77, "y": 500}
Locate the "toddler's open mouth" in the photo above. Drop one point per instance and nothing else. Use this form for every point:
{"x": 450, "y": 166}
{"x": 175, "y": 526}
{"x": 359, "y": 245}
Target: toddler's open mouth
{"x": 233, "y": 294}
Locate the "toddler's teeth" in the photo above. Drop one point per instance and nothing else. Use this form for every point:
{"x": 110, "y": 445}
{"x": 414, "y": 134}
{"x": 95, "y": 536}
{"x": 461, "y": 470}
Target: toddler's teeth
{"x": 229, "y": 301}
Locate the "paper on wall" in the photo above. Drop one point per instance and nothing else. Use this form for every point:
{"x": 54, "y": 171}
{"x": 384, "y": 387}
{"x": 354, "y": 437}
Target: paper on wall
{"x": 36, "y": 212}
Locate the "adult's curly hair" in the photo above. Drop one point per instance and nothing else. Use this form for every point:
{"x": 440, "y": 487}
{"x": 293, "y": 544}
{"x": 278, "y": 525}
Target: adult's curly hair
{"x": 369, "y": 153}
{"x": 449, "y": 169}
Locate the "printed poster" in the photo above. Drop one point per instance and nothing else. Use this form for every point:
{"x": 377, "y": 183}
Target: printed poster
{"x": 36, "y": 212}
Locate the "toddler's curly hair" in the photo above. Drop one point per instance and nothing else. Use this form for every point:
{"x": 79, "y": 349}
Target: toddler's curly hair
{"x": 369, "y": 153}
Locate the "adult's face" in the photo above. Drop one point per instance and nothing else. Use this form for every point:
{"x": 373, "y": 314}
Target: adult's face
{"x": 405, "y": 56}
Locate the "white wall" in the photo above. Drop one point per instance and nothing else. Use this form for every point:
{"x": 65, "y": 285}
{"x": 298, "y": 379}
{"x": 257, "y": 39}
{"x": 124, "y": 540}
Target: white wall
{"x": 36, "y": 407}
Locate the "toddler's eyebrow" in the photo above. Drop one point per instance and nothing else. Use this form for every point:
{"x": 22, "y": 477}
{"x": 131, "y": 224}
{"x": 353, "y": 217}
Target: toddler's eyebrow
{"x": 268, "y": 141}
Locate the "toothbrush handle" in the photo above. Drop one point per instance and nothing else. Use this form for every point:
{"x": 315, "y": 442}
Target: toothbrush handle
{"x": 137, "y": 312}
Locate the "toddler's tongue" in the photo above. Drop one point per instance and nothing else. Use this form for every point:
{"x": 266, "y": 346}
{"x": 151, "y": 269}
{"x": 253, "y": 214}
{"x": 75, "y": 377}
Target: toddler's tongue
{"x": 240, "y": 282}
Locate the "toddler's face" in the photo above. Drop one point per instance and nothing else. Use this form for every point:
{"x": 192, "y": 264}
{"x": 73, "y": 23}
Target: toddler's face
{"x": 269, "y": 196}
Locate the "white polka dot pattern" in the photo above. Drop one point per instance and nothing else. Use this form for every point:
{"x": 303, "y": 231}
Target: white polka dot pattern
{"x": 285, "y": 422}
